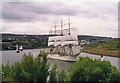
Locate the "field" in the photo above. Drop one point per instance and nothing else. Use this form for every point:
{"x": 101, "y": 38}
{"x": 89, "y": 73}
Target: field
{"x": 111, "y": 48}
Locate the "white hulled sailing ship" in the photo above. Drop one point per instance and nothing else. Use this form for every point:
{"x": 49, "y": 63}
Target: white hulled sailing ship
{"x": 63, "y": 46}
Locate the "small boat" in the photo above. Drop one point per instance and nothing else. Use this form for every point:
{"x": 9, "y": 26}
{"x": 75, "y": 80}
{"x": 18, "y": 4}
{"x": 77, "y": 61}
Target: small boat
{"x": 21, "y": 48}
{"x": 17, "y": 49}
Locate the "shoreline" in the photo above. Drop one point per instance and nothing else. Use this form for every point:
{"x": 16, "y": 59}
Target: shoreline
{"x": 84, "y": 50}
{"x": 24, "y": 49}
{"x": 93, "y": 51}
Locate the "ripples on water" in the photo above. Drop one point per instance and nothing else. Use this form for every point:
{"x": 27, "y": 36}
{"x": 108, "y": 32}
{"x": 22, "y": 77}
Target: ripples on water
{"x": 12, "y": 57}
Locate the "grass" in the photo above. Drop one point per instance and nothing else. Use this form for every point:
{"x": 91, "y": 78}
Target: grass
{"x": 111, "y": 48}
{"x": 105, "y": 52}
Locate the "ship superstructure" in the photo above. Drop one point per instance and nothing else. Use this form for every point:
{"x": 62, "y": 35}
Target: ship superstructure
{"x": 64, "y": 44}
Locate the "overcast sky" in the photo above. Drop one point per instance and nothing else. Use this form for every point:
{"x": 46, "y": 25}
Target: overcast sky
{"x": 90, "y": 18}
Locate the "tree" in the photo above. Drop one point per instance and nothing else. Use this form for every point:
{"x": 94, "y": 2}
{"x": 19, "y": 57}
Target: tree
{"x": 61, "y": 76}
{"x": 53, "y": 74}
{"x": 41, "y": 68}
{"x": 6, "y": 69}
{"x": 29, "y": 69}
{"x": 87, "y": 69}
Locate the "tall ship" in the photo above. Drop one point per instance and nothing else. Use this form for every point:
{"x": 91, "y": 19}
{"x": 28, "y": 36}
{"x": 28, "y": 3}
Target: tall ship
{"x": 63, "y": 45}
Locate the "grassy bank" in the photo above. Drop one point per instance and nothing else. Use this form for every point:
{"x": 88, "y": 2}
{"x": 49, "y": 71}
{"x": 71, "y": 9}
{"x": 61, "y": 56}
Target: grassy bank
{"x": 111, "y": 48}
{"x": 112, "y": 53}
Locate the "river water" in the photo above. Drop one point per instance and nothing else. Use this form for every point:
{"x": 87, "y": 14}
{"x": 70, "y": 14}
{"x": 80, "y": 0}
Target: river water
{"x": 12, "y": 56}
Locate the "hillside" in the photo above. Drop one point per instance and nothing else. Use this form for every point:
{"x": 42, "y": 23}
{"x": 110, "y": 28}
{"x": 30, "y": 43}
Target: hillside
{"x": 110, "y": 48}
{"x": 93, "y": 38}
{"x": 9, "y": 41}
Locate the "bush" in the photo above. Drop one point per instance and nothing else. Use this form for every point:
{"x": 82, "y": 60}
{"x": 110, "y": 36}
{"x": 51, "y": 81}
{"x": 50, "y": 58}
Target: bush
{"x": 29, "y": 68}
{"x": 36, "y": 69}
{"x": 53, "y": 75}
{"x": 57, "y": 75}
{"x": 61, "y": 76}
{"x": 87, "y": 69}
{"x": 6, "y": 69}
{"x": 0, "y": 73}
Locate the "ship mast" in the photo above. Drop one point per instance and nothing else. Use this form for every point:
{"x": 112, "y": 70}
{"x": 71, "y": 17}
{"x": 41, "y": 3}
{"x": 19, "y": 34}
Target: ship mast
{"x": 69, "y": 25}
{"x": 61, "y": 28}
{"x": 55, "y": 27}
{"x": 51, "y": 31}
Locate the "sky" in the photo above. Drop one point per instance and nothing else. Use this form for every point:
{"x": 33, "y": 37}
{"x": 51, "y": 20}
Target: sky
{"x": 89, "y": 18}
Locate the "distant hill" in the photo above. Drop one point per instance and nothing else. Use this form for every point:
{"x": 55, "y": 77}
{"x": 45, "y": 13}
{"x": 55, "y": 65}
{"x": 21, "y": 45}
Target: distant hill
{"x": 94, "y": 38}
{"x": 21, "y": 36}
{"x": 110, "y": 48}
{"x": 38, "y": 41}
{"x": 9, "y": 41}
{"x": 80, "y": 37}
{"x": 112, "y": 45}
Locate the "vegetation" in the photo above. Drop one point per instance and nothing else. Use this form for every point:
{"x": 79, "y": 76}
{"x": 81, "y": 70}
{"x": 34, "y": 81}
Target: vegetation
{"x": 28, "y": 69}
{"x": 53, "y": 75}
{"x": 27, "y": 41}
{"x": 87, "y": 69}
{"x": 56, "y": 75}
{"x": 61, "y": 76}
{"x": 94, "y": 38}
{"x": 36, "y": 69}
{"x": 0, "y": 73}
{"x": 107, "y": 48}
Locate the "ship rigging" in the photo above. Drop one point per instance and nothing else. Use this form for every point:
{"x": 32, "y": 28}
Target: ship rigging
{"x": 64, "y": 44}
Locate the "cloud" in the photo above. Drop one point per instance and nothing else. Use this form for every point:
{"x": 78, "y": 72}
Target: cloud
{"x": 96, "y": 18}
{"x": 19, "y": 12}
{"x": 28, "y": 11}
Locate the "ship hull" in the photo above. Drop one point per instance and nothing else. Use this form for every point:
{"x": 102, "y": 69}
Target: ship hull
{"x": 63, "y": 58}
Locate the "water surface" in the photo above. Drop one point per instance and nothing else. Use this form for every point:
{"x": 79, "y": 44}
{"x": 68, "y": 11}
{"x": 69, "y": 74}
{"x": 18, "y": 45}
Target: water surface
{"x": 12, "y": 57}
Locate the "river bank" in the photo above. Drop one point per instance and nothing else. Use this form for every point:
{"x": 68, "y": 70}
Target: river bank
{"x": 110, "y": 48}
{"x": 105, "y": 52}
{"x": 23, "y": 49}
